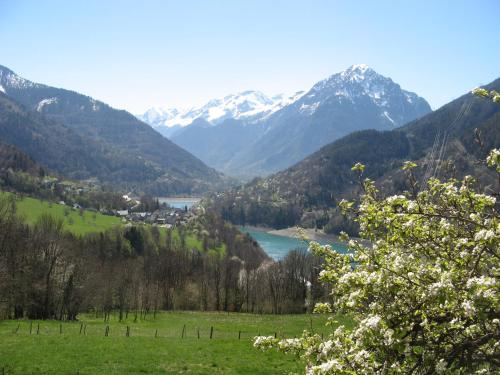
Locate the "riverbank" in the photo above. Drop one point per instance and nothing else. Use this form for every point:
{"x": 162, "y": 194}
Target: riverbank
{"x": 278, "y": 243}
{"x": 298, "y": 233}
{"x": 308, "y": 233}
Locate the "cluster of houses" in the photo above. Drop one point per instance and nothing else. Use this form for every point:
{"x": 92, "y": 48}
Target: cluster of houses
{"x": 165, "y": 216}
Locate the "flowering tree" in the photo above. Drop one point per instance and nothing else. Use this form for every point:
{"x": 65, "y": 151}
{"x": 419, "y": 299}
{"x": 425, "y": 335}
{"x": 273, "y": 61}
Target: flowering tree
{"x": 424, "y": 293}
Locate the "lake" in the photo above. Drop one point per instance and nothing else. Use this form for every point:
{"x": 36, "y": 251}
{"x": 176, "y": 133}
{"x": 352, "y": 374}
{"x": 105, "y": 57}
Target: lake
{"x": 179, "y": 202}
{"x": 278, "y": 246}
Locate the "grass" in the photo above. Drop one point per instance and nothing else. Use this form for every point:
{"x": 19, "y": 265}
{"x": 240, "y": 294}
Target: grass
{"x": 193, "y": 242}
{"x": 30, "y": 209}
{"x": 84, "y": 222}
{"x": 69, "y": 352}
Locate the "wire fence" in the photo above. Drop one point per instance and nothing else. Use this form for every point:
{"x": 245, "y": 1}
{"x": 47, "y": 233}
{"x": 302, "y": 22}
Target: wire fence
{"x": 202, "y": 332}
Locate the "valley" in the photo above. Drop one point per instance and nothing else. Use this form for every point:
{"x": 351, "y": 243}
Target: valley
{"x": 251, "y": 134}
{"x": 249, "y": 187}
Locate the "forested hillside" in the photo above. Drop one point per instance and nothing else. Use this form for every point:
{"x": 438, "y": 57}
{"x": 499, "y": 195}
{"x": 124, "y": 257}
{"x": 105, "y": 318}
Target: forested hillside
{"x": 11, "y": 158}
{"x": 81, "y": 137}
{"x": 442, "y": 143}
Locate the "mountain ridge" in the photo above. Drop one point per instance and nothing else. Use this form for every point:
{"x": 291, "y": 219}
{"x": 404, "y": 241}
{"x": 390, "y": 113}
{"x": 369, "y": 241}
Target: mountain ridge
{"x": 355, "y": 99}
{"x": 117, "y": 138}
{"x": 306, "y": 194}
{"x": 249, "y": 105}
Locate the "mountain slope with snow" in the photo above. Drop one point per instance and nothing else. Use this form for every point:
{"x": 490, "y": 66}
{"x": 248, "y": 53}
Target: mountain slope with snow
{"x": 357, "y": 98}
{"x": 303, "y": 193}
{"x": 247, "y": 105}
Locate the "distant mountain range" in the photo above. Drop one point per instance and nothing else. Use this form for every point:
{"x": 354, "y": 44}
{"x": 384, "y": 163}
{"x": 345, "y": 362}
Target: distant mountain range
{"x": 247, "y": 105}
{"x": 81, "y": 137}
{"x": 307, "y": 193}
{"x": 251, "y": 134}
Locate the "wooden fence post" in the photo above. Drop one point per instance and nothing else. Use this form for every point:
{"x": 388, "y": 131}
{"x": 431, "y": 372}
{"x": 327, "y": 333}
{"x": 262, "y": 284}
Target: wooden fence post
{"x": 38, "y": 328}
{"x": 156, "y": 333}
{"x": 183, "y": 331}
{"x": 60, "y": 328}
{"x": 31, "y": 326}
{"x": 198, "y": 333}
{"x": 239, "y": 335}
{"x": 81, "y": 327}
{"x": 211, "y": 332}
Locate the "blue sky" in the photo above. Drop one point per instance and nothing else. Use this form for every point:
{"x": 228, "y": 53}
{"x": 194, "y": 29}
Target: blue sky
{"x": 139, "y": 54}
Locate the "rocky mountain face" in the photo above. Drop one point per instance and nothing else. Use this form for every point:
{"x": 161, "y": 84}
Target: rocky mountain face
{"x": 356, "y": 99}
{"x": 307, "y": 193}
{"x": 82, "y": 137}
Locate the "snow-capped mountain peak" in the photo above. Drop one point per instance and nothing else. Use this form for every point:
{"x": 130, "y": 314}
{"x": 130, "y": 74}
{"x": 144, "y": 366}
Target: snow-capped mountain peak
{"x": 356, "y": 72}
{"x": 358, "y": 86}
{"x": 249, "y": 105}
{"x": 360, "y": 82}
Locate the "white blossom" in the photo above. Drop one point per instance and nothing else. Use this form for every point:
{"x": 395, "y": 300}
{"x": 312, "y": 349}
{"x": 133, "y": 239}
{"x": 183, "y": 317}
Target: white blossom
{"x": 484, "y": 234}
{"x": 469, "y": 308}
{"x": 441, "y": 366}
{"x": 372, "y": 322}
{"x": 325, "y": 367}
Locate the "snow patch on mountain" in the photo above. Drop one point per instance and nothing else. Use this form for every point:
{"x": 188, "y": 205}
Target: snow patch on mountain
{"x": 95, "y": 104}
{"x": 9, "y": 79}
{"x": 42, "y": 103}
{"x": 309, "y": 108}
{"x": 2, "y": 89}
{"x": 386, "y": 115}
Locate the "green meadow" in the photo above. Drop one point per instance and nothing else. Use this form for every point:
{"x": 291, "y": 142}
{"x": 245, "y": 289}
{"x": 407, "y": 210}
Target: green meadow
{"x": 76, "y": 221}
{"x": 81, "y": 222}
{"x": 167, "y": 344}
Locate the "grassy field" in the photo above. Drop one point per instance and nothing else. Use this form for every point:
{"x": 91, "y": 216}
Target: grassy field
{"x": 192, "y": 241}
{"x": 81, "y": 223}
{"x": 30, "y": 209}
{"x": 69, "y": 352}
